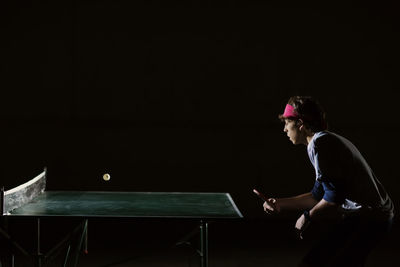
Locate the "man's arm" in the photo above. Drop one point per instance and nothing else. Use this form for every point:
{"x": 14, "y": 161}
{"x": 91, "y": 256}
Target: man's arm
{"x": 322, "y": 209}
{"x": 301, "y": 202}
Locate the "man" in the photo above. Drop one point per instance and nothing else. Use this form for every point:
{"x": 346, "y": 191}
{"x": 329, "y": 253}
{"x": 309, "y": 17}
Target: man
{"x": 344, "y": 184}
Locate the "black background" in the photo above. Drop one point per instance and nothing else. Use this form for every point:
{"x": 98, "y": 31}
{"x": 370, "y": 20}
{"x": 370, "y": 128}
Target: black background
{"x": 184, "y": 95}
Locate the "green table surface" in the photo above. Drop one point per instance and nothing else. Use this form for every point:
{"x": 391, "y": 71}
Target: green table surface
{"x": 130, "y": 204}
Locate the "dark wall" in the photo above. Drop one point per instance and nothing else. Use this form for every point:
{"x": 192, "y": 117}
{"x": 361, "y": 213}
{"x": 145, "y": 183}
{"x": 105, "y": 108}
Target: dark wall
{"x": 171, "y": 96}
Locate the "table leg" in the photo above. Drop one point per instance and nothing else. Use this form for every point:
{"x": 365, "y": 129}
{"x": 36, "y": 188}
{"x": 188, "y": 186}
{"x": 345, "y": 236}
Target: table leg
{"x": 203, "y": 244}
{"x": 81, "y": 241}
{"x": 38, "y": 260}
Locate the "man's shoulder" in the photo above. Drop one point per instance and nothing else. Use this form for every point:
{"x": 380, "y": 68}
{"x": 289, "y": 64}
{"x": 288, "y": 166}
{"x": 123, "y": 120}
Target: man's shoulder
{"x": 323, "y": 137}
{"x": 327, "y": 140}
{"x": 334, "y": 144}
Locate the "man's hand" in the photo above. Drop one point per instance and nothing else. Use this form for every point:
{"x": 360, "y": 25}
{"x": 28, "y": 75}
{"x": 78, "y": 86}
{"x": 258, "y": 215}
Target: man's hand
{"x": 301, "y": 225}
{"x": 271, "y": 206}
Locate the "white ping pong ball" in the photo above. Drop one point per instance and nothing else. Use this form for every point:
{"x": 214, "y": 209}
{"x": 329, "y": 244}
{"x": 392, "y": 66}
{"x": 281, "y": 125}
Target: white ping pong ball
{"x": 106, "y": 177}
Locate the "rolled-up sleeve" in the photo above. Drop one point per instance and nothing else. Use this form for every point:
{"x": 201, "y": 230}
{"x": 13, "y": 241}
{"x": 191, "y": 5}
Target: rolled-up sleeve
{"x": 318, "y": 191}
{"x": 331, "y": 194}
{"x": 326, "y": 191}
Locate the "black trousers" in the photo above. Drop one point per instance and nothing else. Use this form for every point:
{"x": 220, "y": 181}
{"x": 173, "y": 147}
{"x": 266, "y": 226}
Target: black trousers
{"x": 348, "y": 242}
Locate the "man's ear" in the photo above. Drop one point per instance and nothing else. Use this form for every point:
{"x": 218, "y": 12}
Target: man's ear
{"x": 300, "y": 124}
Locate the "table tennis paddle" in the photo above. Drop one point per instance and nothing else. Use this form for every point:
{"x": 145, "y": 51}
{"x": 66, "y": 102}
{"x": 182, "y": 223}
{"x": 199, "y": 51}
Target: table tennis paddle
{"x": 260, "y": 195}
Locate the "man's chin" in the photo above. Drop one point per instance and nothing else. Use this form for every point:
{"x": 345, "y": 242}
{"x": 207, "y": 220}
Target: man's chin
{"x": 294, "y": 142}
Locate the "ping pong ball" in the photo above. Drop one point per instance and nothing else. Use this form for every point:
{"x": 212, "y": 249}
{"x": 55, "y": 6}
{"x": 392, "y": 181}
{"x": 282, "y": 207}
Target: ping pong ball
{"x": 106, "y": 177}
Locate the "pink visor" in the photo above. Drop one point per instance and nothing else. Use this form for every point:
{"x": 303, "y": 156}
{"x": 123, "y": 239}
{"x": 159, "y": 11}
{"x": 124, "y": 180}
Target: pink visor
{"x": 290, "y": 112}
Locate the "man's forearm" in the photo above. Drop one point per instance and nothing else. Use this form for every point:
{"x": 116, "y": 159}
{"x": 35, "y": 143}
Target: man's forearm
{"x": 323, "y": 209}
{"x": 301, "y": 202}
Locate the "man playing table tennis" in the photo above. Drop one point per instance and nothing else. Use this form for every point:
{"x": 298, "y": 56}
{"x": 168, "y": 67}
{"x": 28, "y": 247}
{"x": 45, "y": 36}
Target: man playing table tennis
{"x": 344, "y": 184}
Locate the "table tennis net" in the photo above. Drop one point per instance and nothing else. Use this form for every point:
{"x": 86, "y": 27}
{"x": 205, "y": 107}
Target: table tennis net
{"x": 18, "y": 196}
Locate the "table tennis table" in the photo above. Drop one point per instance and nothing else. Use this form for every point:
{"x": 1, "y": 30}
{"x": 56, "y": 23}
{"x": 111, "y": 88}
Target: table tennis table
{"x": 31, "y": 199}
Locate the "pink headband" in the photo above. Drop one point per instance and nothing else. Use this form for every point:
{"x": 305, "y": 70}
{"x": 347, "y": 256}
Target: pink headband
{"x": 290, "y": 112}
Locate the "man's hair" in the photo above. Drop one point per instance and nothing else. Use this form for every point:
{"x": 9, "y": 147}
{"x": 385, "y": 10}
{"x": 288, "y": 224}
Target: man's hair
{"x": 309, "y": 111}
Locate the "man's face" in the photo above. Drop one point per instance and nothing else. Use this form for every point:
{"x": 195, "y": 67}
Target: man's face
{"x": 293, "y": 131}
